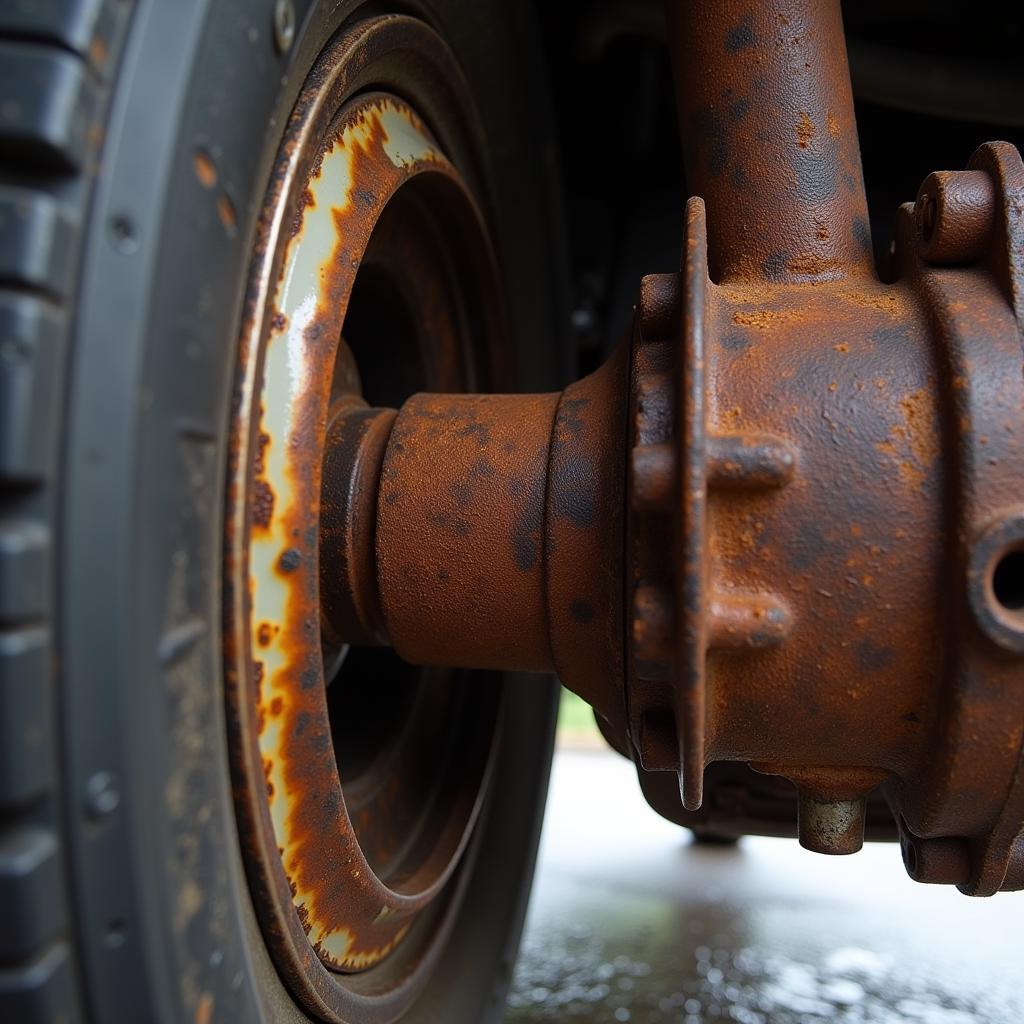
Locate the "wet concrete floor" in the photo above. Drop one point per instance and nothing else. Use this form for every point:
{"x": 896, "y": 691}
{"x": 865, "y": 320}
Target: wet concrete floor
{"x": 630, "y": 922}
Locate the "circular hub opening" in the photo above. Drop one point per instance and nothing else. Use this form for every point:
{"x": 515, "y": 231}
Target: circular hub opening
{"x": 1008, "y": 582}
{"x": 995, "y": 582}
{"x": 360, "y": 779}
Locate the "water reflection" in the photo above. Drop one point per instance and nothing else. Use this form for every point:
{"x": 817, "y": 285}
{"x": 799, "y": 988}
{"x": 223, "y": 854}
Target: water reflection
{"x": 630, "y": 923}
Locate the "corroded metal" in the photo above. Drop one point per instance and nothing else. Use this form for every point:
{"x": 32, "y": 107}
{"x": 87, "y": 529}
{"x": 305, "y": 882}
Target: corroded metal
{"x": 782, "y": 526}
{"x": 770, "y": 142}
{"x": 346, "y": 866}
{"x": 309, "y": 819}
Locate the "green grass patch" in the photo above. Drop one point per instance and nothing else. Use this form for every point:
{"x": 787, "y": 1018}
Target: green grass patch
{"x": 575, "y": 716}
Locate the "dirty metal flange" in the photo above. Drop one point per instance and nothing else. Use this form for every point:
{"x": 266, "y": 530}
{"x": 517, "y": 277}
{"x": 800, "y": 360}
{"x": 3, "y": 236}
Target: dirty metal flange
{"x": 356, "y": 862}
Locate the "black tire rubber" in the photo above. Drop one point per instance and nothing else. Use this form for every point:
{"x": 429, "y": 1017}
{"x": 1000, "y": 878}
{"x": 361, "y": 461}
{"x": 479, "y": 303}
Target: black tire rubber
{"x": 122, "y": 894}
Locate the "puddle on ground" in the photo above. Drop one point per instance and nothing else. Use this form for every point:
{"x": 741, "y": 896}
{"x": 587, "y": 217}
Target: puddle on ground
{"x": 631, "y": 923}
{"x": 698, "y": 963}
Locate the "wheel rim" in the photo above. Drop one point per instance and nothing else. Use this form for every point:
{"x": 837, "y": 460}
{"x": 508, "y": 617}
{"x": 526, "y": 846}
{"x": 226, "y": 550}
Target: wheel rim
{"x": 357, "y": 801}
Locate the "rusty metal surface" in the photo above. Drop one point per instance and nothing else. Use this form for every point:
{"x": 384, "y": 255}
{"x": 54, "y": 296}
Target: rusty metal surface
{"x": 349, "y": 610}
{"x": 499, "y": 533}
{"x": 769, "y": 137}
{"x": 306, "y": 807}
{"x": 443, "y": 564}
{"x": 356, "y": 872}
{"x": 782, "y": 526}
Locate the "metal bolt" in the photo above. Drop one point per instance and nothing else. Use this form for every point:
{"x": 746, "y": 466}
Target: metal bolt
{"x": 955, "y": 212}
{"x": 830, "y": 826}
{"x": 284, "y": 25}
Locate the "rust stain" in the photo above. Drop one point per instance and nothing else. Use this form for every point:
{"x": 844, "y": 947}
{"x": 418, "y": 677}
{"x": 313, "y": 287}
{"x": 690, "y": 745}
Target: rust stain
{"x": 804, "y": 130}
{"x": 226, "y": 213}
{"x": 885, "y": 300}
{"x": 378, "y": 146}
{"x": 205, "y": 168}
{"x": 765, "y": 318}
{"x": 204, "y": 1009}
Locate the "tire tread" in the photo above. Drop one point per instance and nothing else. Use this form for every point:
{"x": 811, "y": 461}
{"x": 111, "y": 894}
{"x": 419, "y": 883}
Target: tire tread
{"x": 56, "y": 63}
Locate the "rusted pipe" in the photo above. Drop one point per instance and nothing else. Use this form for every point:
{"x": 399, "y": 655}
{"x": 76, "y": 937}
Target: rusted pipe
{"x": 769, "y": 137}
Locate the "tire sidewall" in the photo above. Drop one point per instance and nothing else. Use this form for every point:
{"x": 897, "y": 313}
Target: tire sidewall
{"x": 166, "y": 928}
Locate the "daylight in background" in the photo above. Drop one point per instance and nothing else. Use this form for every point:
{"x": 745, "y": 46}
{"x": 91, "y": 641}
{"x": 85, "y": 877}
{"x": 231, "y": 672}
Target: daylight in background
{"x": 631, "y": 922}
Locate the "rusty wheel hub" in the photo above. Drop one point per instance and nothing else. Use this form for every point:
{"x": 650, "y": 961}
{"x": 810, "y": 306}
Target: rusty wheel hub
{"x": 359, "y": 779}
{"x": 781, "y": 528}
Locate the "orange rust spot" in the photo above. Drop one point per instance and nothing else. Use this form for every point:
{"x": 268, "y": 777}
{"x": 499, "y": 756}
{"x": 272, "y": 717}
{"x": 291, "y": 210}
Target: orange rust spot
{"x": 812, "y": 265}
{"x": 731, "y": 417}
{"x": 205, "y": 168}
{"x": 98, "y": 51}
{"x": 842, "y": 347}
{"x": 833, "y": 385}
{"x": 833, "y": 125}
{"x": 804, "y": 130}
{"x": 264, "y": 634}
{"x": 856, "y": 529}
{"x": 226, "y": 212}
{"x": 204, "y": 1009}
{"x": 919, "y": 416}
{"x": 913, "y": 470}
{"x": 888, "y": 301}
{"x": 763, "y": 318}
{"x": 276, "y": 706}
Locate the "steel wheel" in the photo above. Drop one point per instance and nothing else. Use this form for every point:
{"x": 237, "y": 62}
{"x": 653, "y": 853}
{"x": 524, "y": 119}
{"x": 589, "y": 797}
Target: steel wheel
{"x": 360, "y": 780}
{"x": 160, "y": 673}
